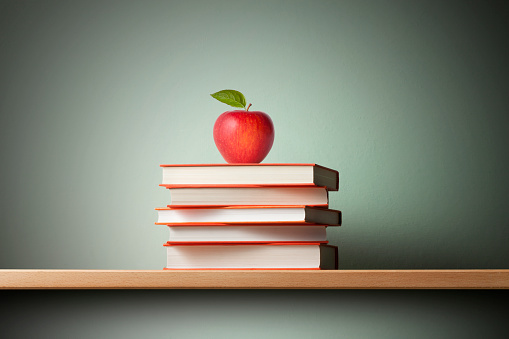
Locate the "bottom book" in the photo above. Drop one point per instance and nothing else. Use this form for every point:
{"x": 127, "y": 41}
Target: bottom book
{"x": 248, "y": 233}
{"x": 252, "y": 255}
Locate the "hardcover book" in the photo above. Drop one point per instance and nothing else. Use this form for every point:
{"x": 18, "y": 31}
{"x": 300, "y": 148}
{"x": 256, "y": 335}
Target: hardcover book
{"x": 228, "y": 196}
{"x": 202, "y": 175}
{"x": 317, "y": 255}
{"x": 248, "y": 215}
{"x": 246, "y": 233}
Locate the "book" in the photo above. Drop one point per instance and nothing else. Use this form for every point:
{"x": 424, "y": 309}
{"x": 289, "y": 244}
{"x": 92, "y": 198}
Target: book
{"x": 227, "y": 196}
{"x": 248, "y": 215}
{"x": 245, "y": 233}
{"x": 224, "y": 175}
{"x": 306, "y": 255}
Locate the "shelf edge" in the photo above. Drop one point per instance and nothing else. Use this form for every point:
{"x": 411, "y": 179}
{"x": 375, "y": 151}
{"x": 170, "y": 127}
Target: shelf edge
{"x": 16, "y": 279}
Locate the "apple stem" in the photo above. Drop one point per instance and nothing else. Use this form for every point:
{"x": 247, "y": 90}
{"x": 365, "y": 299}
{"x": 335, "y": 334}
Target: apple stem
{"x": 247, "y": 109}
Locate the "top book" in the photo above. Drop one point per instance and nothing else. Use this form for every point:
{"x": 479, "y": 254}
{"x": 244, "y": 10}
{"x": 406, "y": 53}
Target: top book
{"x": 228, "y": 175}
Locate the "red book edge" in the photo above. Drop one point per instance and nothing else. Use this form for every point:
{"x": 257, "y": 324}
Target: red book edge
{"x": 248, "y": 207}
{"x": 243, "y": 224}
{"x": 173, "y": 207}
{"x": 243, "y": 268}
{"x": 242, "y": 164}
{"x": 240, "y": 243}
{"x": 282, "y": 185}
{"x": 274, "y": 223}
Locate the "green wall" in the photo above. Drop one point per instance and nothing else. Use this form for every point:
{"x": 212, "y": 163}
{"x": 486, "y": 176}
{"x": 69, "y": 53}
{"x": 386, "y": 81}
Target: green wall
{"x": 255, "y": 314}
{"x": 407, "y": 99}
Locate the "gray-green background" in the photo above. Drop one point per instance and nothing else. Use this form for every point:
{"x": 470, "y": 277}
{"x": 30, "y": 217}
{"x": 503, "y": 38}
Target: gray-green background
{"x": 407, "y": 99}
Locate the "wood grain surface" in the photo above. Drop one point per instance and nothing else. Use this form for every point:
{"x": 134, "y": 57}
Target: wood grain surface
{"x": 253, "y": 279}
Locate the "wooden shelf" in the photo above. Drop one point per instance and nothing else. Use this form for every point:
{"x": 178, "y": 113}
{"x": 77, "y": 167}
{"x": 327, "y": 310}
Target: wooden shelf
{"x": 253, "y": 279}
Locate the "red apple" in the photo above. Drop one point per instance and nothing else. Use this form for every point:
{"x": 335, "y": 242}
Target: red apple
{"x": 243, "y": 136}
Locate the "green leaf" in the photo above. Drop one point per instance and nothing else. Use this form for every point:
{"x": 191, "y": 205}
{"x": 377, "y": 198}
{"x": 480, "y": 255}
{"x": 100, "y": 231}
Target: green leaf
{"x": 230, "y": 97}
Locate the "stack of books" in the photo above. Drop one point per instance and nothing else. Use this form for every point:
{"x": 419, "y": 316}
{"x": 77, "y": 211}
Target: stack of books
{"x": 249, "y": 216}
